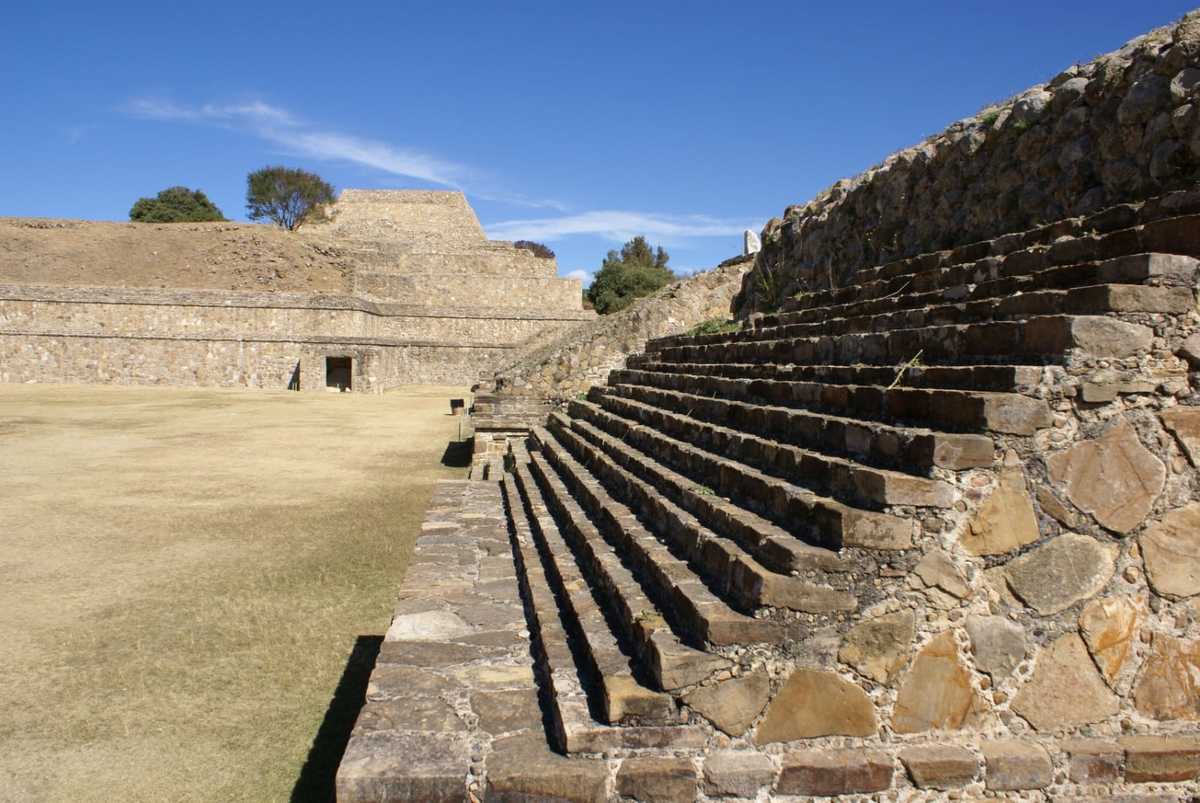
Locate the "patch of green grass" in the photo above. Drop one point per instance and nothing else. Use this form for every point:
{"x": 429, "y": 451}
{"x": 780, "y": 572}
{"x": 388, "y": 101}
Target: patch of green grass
{"x": 716, "y": 326}
{"x": 990, "y": 118}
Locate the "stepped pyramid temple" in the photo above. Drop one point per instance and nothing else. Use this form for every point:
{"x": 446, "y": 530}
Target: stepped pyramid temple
{"x": 397, "y": 287}
{"x": 924, "y": 525}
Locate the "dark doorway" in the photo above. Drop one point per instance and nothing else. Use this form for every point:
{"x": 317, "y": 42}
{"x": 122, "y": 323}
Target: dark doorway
{"x": 337, "y": 372}
{"x": 294, "y": 382}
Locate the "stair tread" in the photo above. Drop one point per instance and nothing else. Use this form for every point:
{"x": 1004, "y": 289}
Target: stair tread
{"x": 846, "y": 480}
{"x": 671, "y": 663}
{"x": 624, "y": 699}
{"x": 723, "y": 563}
{"x": 771, "y": 544}
{"x": 859, "y": 438}
{"x": 689, "y": 605}
{"x": 997, "y": 378}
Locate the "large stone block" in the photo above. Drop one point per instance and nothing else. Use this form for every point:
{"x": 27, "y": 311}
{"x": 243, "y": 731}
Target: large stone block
{"x": 657, "y": 780}
{"x": 1066, "y": 690}
{"x": 1161, "y": 759}
{"x": 733, "y": 704}
{"x": 737, "y": 773}
{"x": 834, "y": 772}
{"x": 1114, "y": 477}
{"x": 998, "y": 643}
{"x": 1006, "y": 519}
{"x": 878, "y": 648}
{"x": 1184, "y": 424}
{"x": 1012, "y": 766}
{"x": 1108, "y": 627}
{"x": 522, "y": 768}
{"x": 940, "y": 767}
{"x": 1092, "y": 761}
{"x": 1171, "y": 550}
{"x": 1061, "y": 572}
{"x": 813, "y": 704}
{"x": 1168, "y": 686}
{"x": 936, "y": 694}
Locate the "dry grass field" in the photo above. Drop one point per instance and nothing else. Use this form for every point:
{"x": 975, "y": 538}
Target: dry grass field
{"x": 184, "y": 574}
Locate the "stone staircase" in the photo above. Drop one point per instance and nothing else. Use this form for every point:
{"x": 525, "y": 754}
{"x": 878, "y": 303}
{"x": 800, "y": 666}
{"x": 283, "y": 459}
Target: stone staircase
{"x": 699, "y": 544}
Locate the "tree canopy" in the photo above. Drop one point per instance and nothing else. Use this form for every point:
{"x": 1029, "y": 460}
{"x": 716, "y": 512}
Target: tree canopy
{"x": 637, "y": 270}
{"x": 175, "y": 205}
{"x": 537, "y": 249}
{"x": 286, "y": 196}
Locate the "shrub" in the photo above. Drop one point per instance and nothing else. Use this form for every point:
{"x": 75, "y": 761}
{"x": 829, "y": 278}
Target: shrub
{"x": 715, "y": 326}
{"x": 636, "y": 271}
{"x": 175, "y": 205}
{"x": 537, "y": 249}
{"x": 287, "y": 196}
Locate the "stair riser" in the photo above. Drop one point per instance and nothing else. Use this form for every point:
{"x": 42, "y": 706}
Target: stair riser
{"x": 731, "y": 572}
{"x": 873, "y": 444}
{"x": 771, "y": 545}
{"x": 992, "y": 378}
{"x": 589, "y": 630}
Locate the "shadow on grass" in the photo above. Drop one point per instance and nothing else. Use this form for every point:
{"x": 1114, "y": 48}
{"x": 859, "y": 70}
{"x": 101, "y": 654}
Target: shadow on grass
{"x": 458, "y": 453}
{"x": 316, "y": 781}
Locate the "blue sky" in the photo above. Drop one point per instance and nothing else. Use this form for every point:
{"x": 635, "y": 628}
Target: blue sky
{"x": 577, "y": 124}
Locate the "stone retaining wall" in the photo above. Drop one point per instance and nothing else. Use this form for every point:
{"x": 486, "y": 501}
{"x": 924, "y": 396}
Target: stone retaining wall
{"x": 583, "y": 355}
{"x": 1123, "y": 127}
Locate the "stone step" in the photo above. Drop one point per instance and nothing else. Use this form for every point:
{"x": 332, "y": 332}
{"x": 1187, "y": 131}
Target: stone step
{"x": 947, "y": 410}
{"x": 845, "y": 480}
{"x": 1023, "y": 379}
{"x": 979, "y": 281}
{"x": 671, "y": 664}
{"x": 1050, "y": 339}
{"x": 571, "y": 725}
{"x": 727, "y": 569}
{"x": 1160, "y": 236}
{"x": 770, "y": 544}
{"x": 620, "y": 698}
{"x": 746, "y": 406}
{"x": 689, "y": 606}
{"x": 813, "y": 519}
{"x": 1091, "y": 300}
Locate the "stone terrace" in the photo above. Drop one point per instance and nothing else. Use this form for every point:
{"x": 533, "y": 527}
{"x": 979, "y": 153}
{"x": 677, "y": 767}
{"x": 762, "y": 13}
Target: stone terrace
{"x": 932, "y": 531}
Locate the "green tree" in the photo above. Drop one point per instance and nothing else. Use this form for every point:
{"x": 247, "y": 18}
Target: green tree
{"x": 287, "y": 196}
{"x": 636, "y": 270}
{"x": 175, "y": 205}
{"x": 537, "y": 249}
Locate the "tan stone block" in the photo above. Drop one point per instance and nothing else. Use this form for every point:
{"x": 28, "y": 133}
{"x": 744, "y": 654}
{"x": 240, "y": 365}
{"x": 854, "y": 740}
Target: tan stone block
{"x": 878, "y": 648}
{"x": 1061, "y": 572}
{"x": 834, "y": 772}
{"x": 524, "y": 768}
{"x": 1168, "y": 686}
{"x": 1114, "y": 477}
{"x": 657, "y": 780}
{"x": 998, "y": 642}
{"x": 813, "y": 704}
{"x": 1016, "y": 765}
{"x": 1161, "y": 759}
{"x": 1184, "y": 424}
{"x": 1171, "y": 551}
{"x": 1066, "y": 689}
{"x": 936, "y": 693}
{"x": 1108, "y": 627}
{"x": 940, "y": 767}
{"x": 1092, "y": 761}
{"x": 736, "y": 773}
{"x": 732, "y": 705}
{"x": 1006, "y": 519}
{"x": 937, "y": 570}
{"x": 1056, "y": 509}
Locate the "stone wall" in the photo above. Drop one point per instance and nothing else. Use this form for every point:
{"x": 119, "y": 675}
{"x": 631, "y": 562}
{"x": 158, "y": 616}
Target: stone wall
{"x": 1122, "y": 127}
{"x": 561, "y": 367}
{"x": 430, "y": 300}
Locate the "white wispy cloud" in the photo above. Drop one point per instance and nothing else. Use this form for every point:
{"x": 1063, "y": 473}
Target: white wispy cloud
{"x": 293, "y": 134}
{"x": 618, "y": 226}
{"x": 580, "y": 274}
